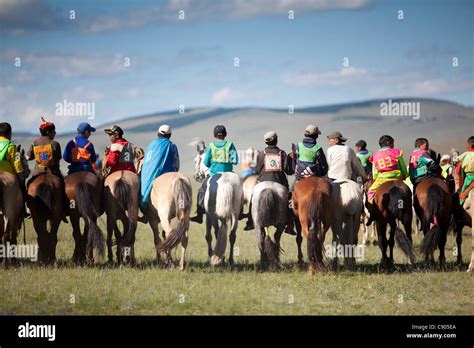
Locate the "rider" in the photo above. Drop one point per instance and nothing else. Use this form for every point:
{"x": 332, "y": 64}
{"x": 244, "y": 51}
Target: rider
{"x": 45, "y": 151}
{"x": 221, "y": 157}
{"x": 343, "y": 162}
{"x": 10, "y": 161}
{"x": 446, "y": 169}
{"x": 80, "y": 151}
{"x": 161, "y": 157}
{"x": 309, "y": 158}
{"x": 388, "y": 165}
{"x": 273, "y": 164}
{"x": 363, "y": 155}
{"x": 121, "y": 154}
{"x": 465, "y": 170}
{"x": 421, "y": 164}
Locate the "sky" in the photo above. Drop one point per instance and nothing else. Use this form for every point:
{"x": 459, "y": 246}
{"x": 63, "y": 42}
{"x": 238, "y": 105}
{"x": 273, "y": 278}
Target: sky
{"x": 132, "y": 58}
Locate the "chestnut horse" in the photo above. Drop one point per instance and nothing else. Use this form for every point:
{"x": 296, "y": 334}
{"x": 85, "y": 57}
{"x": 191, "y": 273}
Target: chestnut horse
{"x": 84, "y": 192}
{"x": 393, "y": 204}
{"x": 312, "y": 205}
{"x": 433, "y": 205}
{"x": 47, "y": 200}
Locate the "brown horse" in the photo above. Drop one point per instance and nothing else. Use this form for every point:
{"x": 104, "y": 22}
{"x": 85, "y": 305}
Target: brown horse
{"x": 120, "y": 200}
{"x": 46, "y": 200}
{"x": 433, "y": 205}
{"x": 312, "y": 204}
{"x": 393, "y": 204}
{"x": 467, "y": 216}
{"x": 84, "y": 192}
{"x": 11, "y": 203}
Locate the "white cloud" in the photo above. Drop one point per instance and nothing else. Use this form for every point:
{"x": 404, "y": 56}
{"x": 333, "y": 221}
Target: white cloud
{"x": 225, "y": 95}
{"x": 196, "y": 10}
{"x": 324, "y": 78}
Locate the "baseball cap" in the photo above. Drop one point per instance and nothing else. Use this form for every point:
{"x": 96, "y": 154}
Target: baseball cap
{"x": 114, "y": 130}
{"x": 164, "y": 129}
{"x": 270, "y": 136}
{"x": 84, "y": 126}
{"x": 312, "y": 129}
{"x": 336, "y": 135}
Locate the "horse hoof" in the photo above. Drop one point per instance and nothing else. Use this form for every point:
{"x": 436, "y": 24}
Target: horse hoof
{"x": 216, "y": 260}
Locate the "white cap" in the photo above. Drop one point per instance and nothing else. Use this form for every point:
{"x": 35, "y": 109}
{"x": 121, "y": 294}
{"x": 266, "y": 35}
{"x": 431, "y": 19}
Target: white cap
{"x": 164, "y": 129}
{"x": 445, "y": 158}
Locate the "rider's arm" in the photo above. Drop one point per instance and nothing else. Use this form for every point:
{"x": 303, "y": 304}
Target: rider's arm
{"x": 402, "y": 166}
{"x": 234, "y": 157}
{"x": 208, "y": 158}
{"x": 357, "y": 165}
{"x": 14, "y": 158}
{"x": 67, "y": 152}
{"x": 176, "y": 158}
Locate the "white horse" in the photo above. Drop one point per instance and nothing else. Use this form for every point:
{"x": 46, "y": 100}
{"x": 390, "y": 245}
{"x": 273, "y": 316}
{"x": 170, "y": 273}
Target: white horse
{"x": 269, "y": 208}
{"x": 249, "y": 184}
{"x": 223, "y": 204}
{"x": 171, "y": 197}
{"x": 348, "y": 201}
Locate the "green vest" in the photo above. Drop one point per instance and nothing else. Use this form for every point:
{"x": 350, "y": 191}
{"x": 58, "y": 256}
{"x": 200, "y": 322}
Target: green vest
{"x": 364, "y": 159}
{"x": 306, "y": 154}
{"x": 445, "y": 169}
{"x": 4, "y": 145}
{"x": 220, "y": 154}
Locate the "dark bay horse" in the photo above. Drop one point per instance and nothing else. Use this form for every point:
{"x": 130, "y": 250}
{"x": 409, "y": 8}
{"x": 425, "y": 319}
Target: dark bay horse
{"x": 393, "y": 205}
{"x": 84, "y": 192}
{"x": 47, "y": 200}
{"x": 433, "y": 205}
{"x": 312, "y": 204}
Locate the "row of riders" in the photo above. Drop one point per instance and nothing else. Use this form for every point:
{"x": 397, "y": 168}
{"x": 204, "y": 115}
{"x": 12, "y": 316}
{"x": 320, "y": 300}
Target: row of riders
{"x": 328, "y": 192}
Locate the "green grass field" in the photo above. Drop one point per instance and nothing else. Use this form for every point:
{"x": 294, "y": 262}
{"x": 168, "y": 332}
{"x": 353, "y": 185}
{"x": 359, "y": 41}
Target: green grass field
{"x": 151, "y": 290}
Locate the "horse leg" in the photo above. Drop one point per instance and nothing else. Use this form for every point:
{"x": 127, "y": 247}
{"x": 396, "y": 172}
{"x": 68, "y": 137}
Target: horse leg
{"x": 39, "y": 224}
{"x": 232, "y": 238}
{"x": 382, "y": 241}
{"x": 277, "y": 236}
{"x": 261, "y": 246}
{"x": 88, "y": 245}
{"x": 110, "y": 229}
{"x": 441, "y": 245}
{"x": 153, "y": 221}
{"x": 209, "y": 235}
{"x": 299, "y": 241}
{"x": 184, "y": 245}
{"x": 76, "y": 233}
{"x": 391, "y": 242}
{"x": 54, "y": 236}
{"x": 458, "y": 232}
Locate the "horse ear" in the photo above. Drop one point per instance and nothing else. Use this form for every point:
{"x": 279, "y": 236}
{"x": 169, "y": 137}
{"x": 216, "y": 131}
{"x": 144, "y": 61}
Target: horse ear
{"x": 438, "y": 159}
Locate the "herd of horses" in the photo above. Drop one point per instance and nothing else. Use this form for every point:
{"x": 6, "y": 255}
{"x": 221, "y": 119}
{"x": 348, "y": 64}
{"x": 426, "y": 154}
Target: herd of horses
{"x": 317, "y": 204}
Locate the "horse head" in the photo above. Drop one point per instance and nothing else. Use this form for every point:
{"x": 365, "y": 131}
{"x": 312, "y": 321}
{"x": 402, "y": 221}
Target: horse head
{"x": 24, "y": 162}
{"x": 200, "y": 170}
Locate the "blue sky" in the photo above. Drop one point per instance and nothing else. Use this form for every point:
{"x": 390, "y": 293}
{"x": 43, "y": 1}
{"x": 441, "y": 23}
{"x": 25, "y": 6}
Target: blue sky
{"x": 191, "y": 62}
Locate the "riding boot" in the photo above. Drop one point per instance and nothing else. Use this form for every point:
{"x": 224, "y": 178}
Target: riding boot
{"x": 24, "y": 193}
{"x": 371, "y": 209}
{"x": 290, "y": 223}
{"x": 249, "y": 225}
{"x": 200, "y": 210}
{"x": 144, "y": 218}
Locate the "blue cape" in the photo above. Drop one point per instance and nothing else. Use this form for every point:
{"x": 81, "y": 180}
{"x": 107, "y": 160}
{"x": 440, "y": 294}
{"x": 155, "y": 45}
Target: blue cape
{"x": 158, "y": 160}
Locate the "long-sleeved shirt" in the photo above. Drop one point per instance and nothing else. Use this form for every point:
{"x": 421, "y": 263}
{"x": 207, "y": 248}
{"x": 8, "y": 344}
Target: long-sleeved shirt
{"x": 217, "y": 167}
{"x": 122, "y": 154}
{"x": 343, "y": 163}
{"x": 283, "y": 166}
{"x": 9, "y": 161}
{"x": 85, "y": 165}
{"x": 319, "y": 167}
{"x": 53, "y": 167}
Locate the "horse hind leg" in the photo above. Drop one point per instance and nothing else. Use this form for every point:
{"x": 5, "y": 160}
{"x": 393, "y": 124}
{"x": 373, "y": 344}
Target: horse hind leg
{"x": 184, "y": 245}
{"x": 76, "y": 233}
{"x": 299, "y": 241}
{"x": 110, "y": 230}
{"x": 391, "y": 242}
{"x": 382, "y": 241}
{"x": 232, "y": 238}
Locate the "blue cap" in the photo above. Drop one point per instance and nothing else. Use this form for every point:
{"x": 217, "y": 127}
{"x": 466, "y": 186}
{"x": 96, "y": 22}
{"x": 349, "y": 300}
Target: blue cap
{"x": 84, "y": 126}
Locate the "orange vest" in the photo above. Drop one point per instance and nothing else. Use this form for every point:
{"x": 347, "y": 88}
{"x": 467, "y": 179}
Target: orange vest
{"x": 43, "y": 155}
{"x": 80, "y": 154}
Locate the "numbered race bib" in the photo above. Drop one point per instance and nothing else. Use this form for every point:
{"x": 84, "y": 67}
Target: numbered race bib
{"x": 273, "y": 163}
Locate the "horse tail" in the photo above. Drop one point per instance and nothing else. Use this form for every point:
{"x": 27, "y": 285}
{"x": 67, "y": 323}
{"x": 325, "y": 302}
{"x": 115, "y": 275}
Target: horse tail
{"x": 45, "y": 192}
{"x": 315, "y": 208}
{"x": 433, "y": 209}
{"x": 123, "y": 194}
{"x": 221, "y": 244}
{"x": 182, "y": 193}
{"x": 405, "y": 244}
{"x": 396, "y": 194}
{"x": 224, "y": 198}
{"x": 266, "y": 207}
{"x": 272, "y": 250}
{"x": 85, "y": 206}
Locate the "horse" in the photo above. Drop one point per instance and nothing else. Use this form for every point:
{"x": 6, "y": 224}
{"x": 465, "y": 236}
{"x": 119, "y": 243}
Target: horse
{"x": 248, "y": 185}
{"x": 171, "y": 197}
{"x": 84, "y": 192}
{"x": 121, "y": 202}
{"x": 269, "y": 208}
{"x": 11, "y": 203}
{"x": 312, "y": 205}
{"x": 370, "y": 232}
{"x": 393, "y": 204}
{"x": 467, "y": 215}
{"x": 433, "y": 205}
{"x": 46, "y": 201}
{"x": 348, "y": 204}
{"x": 223, "y": 204}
